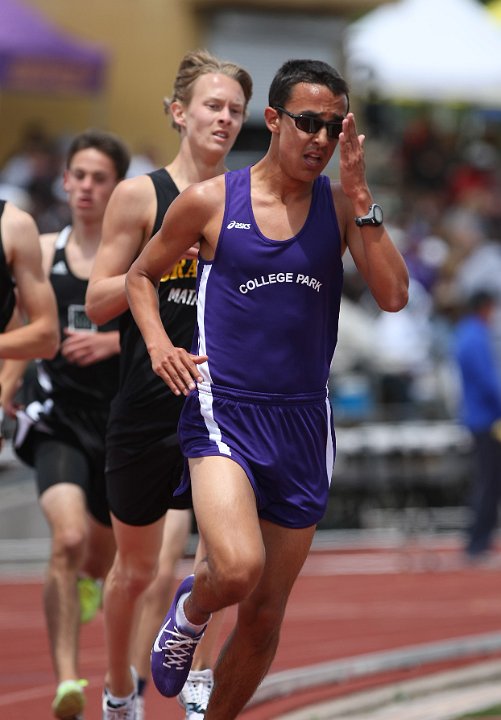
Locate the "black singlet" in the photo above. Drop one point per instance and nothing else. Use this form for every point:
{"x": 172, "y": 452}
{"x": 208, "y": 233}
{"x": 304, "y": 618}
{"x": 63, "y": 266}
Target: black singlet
{"x": 142, "y": 394}
{"x": 93, "y": 385}
{"x": 7, "y": 295}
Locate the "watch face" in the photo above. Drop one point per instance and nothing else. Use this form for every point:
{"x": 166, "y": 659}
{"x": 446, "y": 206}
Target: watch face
{"x": 373, "y": 217}
{"x": 378, "y": 214}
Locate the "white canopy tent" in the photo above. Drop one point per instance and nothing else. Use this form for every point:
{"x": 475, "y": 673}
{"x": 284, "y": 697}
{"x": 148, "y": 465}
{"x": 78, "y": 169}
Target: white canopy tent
{"x": 432, "y": 50}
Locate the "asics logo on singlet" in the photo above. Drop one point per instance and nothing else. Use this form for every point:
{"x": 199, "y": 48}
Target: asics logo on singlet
{"x": 238, "y": 225}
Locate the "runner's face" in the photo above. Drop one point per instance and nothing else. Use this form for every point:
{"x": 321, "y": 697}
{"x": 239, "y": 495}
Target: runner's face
{"x": 302, "y": 152}
{"x": 215, "y": 114}
{"x": 89, "y": 182}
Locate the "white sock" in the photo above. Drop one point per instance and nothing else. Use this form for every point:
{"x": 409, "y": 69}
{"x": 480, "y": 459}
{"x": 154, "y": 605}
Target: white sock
{"x": 117, "y": 701}
{"x": 200, "y": 674}
{"x": 182, "y": 621}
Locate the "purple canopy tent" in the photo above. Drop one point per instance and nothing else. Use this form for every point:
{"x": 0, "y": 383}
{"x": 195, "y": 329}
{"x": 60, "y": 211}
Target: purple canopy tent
{"x": 36, "y": 56}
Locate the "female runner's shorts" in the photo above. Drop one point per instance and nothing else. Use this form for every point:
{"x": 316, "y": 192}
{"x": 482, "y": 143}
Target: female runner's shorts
{"x": 284, "y": 443}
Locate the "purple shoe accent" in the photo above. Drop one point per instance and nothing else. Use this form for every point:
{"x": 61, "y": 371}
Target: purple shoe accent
{"x": 172, "y": 651}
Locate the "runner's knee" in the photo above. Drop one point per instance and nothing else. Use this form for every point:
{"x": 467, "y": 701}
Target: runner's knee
{"x": 133, "y": 577}
{"x": 235, "y": 575}
{"x": 69, "y": 546}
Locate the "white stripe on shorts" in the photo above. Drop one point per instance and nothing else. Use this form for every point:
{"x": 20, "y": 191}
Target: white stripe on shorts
{"x": 205, "y": 388}
{"x": 329, "y": 450}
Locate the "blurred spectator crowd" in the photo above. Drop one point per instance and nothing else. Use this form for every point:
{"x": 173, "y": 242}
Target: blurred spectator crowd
{"x": 440, "y": 186}
{"x": 32, "y": 177}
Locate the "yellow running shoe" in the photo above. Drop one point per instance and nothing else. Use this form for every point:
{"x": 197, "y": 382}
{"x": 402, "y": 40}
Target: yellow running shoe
{"x": 70, "y": 699}
{"x": 90, "y": 592}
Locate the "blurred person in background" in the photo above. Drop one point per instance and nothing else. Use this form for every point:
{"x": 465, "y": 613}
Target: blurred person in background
{"x": 144, "y": 462}
{"x": 22, "y": 280}
{"x": 62, "y": 432}
{"x": 473, "y": 349}
{"x": 35, "y": 156}
{"x": 473, "y": 180}
{"x": 28, "y": 312}
{"x": 34, "y": 167}
{"x": 425, "y": 153}
{"x": 402, "y": 354}
{"x": 473, "y": 262}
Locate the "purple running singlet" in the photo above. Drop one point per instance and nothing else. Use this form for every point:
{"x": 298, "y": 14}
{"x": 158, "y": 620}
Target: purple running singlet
{"x": 267, "y": 319}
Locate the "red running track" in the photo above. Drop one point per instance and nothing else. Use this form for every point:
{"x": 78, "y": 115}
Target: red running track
{"x": 345, "y": 603}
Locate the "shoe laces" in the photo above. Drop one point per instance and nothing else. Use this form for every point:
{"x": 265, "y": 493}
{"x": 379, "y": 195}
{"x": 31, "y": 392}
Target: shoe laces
{"x": 189, "y": 693}
{"x": 205, "y": 688}
{"x": 180, "y": 649}
{"x": 194, "y": 696}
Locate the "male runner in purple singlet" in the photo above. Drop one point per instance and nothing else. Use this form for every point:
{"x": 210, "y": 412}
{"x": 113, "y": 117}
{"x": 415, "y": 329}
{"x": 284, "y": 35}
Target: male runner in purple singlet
{"x": 256, "y": 425}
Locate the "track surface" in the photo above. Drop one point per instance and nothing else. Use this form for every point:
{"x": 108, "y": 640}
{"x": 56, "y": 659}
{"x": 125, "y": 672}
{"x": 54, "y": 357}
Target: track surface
{"x": 347, "y": 602}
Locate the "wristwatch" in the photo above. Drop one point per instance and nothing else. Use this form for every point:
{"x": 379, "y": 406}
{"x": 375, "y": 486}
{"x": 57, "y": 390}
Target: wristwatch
{"x": 373, "y": 217}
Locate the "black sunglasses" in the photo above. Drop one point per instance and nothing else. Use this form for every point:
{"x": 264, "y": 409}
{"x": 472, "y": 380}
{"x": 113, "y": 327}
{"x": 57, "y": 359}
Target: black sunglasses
{"x": 312, "y": 125}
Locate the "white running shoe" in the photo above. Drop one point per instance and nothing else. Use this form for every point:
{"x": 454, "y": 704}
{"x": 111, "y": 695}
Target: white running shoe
{"x": 139, "y": 708}
{"x": 194, "y": 696}
{"x": 125, "y": 710}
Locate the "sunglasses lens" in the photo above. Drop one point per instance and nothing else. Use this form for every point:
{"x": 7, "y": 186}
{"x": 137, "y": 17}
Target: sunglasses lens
{"x": 307, "y": 124}
{"x": 334, "y": 129}
{"x": 313, "y": 125}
